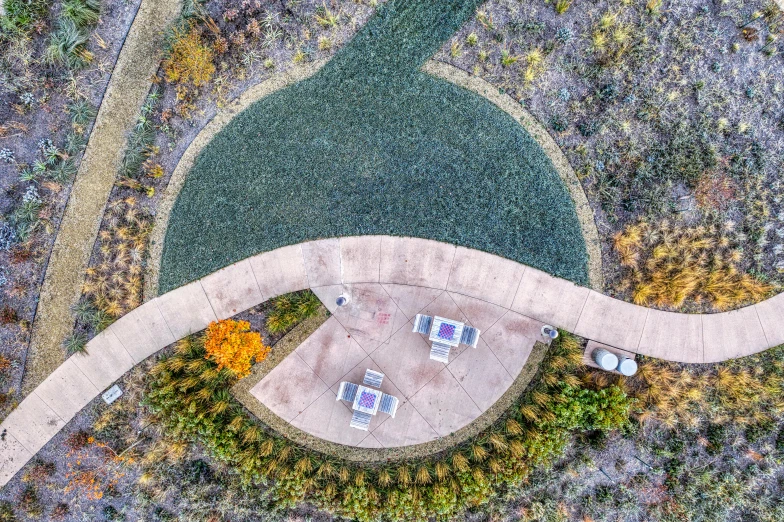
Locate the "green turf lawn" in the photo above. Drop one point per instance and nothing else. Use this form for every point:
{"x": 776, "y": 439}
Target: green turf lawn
{"x": 370, "y": 145}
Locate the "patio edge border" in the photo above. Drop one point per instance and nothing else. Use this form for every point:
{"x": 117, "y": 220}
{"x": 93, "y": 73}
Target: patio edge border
{"x": 241, "y": 392}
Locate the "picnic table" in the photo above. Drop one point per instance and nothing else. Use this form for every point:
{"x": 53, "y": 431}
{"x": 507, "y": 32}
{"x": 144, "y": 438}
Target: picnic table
{"x": 367, "y": 401}
{"x": 444, "y": 334}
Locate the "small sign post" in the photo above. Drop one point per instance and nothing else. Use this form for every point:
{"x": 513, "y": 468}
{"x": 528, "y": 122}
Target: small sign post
{"x": 112, "y": 394}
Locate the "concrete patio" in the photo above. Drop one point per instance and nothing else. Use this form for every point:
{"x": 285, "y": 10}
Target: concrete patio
{"x": 373, "y": 331}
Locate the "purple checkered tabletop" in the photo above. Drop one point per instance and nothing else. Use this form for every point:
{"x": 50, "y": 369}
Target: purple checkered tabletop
{"x": 446, "y": 331}
{"x": 367, "y": 400}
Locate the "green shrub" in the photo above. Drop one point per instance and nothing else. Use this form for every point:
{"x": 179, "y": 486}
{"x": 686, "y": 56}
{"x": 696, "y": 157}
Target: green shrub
{"x": 75, "y": 343}
{"x": 67, "y": 45}
{"x": 25, "y": 216}
{"x": 82, "y": 112}
{"x": 7, "y": 512}
{"x": 716, "y": 435}
{"x": 603, "y": 409}
{"x": 111, "y": 513}
{"x": 82, "y": 13}
{"x": 20, "y": 15}
{"x": 142, "y": 139}
{"x": 759, "y": 430}
{"x": 780, "y": 440}
{"x": 290, "y": 309}
{"x": 30, "y": 503}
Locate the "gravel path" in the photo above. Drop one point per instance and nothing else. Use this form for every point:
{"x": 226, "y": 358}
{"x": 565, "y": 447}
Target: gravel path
{"x": 125, "y": 94}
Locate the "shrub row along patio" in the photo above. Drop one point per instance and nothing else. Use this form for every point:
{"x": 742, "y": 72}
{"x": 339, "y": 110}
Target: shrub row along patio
{"x": 371, "y": 145}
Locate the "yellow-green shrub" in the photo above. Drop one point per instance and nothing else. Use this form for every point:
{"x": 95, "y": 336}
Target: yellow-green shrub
{"x": 189, "y": 58}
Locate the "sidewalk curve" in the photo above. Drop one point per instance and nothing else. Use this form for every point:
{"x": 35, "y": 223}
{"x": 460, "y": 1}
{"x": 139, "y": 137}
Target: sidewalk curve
{"x": 375, "y": 259}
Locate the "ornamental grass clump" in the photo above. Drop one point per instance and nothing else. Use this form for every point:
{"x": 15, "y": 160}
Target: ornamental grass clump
{"x": 114, "y": 284}
{"x": 743, "y": 394}
{"x": 231, "y": 345}
{"x": 189, "y": 59}
{"x": 290, "y": 309}
{"x": 68, "y": 44}
{"x": 668, "y": 267}
{"x": 188, "y": 395}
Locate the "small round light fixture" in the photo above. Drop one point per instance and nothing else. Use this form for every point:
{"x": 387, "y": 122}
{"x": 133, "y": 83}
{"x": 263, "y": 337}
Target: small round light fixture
{"x": 550, "y": 332}
{"x": 342, "y": 300}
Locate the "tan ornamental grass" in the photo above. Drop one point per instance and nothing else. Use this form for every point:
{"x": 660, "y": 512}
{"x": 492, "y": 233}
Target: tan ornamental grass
{"x": 670, "y": 267}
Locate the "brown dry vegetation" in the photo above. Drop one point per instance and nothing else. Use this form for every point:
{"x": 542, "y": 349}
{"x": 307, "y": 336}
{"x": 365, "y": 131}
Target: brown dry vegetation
{"x": 114, "y": 284}
{"x": 666, "y": 266}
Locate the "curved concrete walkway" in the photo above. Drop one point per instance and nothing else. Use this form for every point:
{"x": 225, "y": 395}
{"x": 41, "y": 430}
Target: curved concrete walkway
{"x": 441, "y": 70}
{"x": 375, "y": 259}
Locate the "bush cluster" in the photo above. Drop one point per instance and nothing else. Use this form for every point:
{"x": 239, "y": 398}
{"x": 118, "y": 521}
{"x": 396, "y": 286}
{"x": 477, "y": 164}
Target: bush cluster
{"x": 231, "y": 345}
{"x": 189, "y": 59}
{"x": 745, "y": 393}
{"x": 20, "y": 15}
{"x": 189, "y": 396}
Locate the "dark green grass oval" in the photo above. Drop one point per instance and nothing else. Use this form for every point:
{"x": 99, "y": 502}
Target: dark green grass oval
{"x": 395, "y": 152}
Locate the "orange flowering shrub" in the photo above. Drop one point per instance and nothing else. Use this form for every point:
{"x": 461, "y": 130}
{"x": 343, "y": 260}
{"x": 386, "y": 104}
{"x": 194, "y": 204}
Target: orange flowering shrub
{"x": 232, "y": 345}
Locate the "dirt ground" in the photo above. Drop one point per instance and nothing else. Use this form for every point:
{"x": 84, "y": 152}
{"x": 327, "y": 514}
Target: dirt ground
{"x": 34, "y": 111}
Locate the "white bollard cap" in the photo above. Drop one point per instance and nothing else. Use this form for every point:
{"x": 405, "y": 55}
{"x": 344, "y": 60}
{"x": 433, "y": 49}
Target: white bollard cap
{"x": 627, "y": 367}
{"x": 606, "y": 360}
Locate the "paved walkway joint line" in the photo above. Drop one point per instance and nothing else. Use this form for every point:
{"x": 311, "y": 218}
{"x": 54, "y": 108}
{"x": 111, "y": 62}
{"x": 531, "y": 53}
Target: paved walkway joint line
{"x": 404, "y": 276}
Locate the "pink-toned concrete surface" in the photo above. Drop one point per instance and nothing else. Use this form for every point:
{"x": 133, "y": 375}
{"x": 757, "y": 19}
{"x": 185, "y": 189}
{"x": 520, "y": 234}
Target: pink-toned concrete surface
{"x": 406, "y": 275}
{"x": 373, "y": 332}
